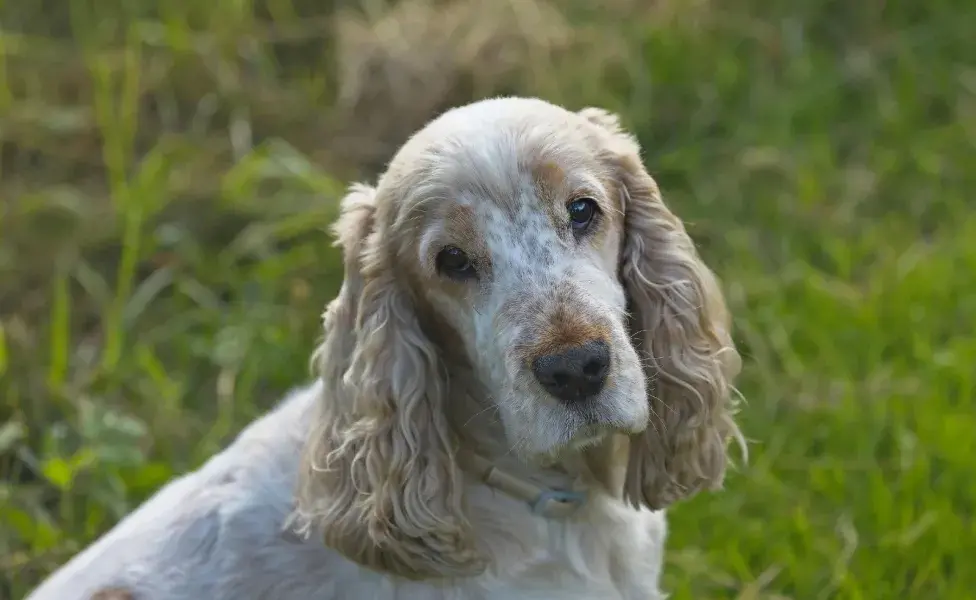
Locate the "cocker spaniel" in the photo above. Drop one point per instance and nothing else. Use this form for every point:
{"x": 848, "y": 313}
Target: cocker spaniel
{"x": 527, "y": 362}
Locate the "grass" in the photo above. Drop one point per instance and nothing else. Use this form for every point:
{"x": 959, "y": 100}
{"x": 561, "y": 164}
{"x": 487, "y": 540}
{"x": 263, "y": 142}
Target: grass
{"x": 167, "y": 169}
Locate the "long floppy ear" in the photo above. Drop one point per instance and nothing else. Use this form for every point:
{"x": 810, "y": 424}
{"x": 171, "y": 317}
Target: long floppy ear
{"x": 681, "y": 325}
{"x": 378, "y": 478}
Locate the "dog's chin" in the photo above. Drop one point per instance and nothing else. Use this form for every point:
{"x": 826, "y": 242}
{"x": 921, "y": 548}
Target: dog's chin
{"x": 557, "y": 431}
{"x": 545, "y": 452}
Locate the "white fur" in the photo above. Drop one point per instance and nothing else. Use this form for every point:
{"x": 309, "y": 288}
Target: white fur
{"x": 214, "y": 534}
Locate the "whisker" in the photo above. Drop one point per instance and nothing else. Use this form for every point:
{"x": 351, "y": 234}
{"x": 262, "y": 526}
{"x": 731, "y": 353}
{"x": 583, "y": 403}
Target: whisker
{"x": 490, "y": 407}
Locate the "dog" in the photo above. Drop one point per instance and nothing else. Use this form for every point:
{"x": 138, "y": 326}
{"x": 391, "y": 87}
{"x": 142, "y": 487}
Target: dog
{"x": 526, "y": 364}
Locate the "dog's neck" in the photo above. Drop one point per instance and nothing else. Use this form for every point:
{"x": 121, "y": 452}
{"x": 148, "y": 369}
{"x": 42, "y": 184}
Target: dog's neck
{"x": 555, "y": 487}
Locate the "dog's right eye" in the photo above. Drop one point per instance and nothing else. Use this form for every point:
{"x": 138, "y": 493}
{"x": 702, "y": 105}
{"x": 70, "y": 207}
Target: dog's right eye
{"x": 454, "y": 263}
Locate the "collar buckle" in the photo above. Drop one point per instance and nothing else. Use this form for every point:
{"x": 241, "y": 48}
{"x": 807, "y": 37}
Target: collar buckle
{"x": 557, "y": 503}
{"x": 543, "y": 502}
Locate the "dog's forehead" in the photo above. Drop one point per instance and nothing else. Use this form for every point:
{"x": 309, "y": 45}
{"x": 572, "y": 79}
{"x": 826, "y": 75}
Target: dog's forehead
{"x": 513, "y": 167}
{"x": 499, "y": 171}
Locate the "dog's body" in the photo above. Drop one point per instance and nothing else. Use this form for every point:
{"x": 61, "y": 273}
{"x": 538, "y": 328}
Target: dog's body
{"x": 526, "y": 363}
{"x": 218, "y": 534}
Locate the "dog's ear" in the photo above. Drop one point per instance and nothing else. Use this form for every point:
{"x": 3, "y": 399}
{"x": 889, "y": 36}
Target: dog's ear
{"x": 681, "y": 325}
{"x": 378, "y": 478}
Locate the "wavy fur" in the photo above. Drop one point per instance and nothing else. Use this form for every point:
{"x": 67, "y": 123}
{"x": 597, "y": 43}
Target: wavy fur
{"x": 382, "y": 482}
{"x": 681, "y": 324}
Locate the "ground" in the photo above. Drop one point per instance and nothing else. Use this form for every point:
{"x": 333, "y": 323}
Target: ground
{"x": 168, "y": 169}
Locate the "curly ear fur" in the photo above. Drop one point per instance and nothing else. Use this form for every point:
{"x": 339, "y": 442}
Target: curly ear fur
{"x": 378, "y": 477}
{"x": 679, "y": 319}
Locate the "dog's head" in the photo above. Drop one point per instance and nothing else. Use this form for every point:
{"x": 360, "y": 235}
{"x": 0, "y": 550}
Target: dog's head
{"x": 528, "y": 243}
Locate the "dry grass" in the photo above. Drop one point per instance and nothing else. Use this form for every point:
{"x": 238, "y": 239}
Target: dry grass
{"x": 400, "y": 67}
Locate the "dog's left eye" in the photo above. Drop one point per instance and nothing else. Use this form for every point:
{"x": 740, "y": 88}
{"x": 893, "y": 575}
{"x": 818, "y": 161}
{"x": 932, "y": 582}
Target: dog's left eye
{"x": 582, "y": 211}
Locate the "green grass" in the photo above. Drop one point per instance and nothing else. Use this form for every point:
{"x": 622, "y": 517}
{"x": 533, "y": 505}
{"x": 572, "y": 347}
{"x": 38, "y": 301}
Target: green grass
{"x": 168, "y": 168}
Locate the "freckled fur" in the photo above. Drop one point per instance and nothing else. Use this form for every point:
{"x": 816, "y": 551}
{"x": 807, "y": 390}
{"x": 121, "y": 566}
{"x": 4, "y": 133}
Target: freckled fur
{"x": 351, "y": 488}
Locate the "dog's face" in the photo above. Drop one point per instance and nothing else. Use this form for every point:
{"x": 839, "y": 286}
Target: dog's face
{"x": 512, "y": 235}
{"x": 524, "y": 247}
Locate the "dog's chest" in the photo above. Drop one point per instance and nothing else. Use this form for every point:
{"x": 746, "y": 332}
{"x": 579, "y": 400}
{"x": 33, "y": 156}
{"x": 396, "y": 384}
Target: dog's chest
{"x": 615, "y": 555}
{"x": 620, "y": 559}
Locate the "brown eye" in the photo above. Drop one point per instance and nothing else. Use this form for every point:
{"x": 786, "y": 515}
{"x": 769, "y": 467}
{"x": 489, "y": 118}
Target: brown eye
{"x": 582, "y": 211}
{"x": 454, "y": 263}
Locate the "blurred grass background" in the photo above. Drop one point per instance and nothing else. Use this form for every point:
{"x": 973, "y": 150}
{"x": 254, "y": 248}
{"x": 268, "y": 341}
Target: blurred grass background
{"x": 167, "y": 169}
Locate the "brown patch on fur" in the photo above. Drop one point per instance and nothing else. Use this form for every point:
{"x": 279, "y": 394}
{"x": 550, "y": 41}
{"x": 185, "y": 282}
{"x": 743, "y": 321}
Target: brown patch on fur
{"x": 460, "y": 228}
{"x": 463, "y": 230}
{"x": 113, "y": 593}
{"x": 565, "y": 330}
{"x": 611, "y": 219}
{"x": 553, "y": 189}
{"x": 549, "y": 179}
{"x": 557, "y": 189}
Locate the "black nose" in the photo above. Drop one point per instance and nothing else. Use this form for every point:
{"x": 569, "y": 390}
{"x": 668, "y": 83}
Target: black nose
{"x": 576, "y": 373}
